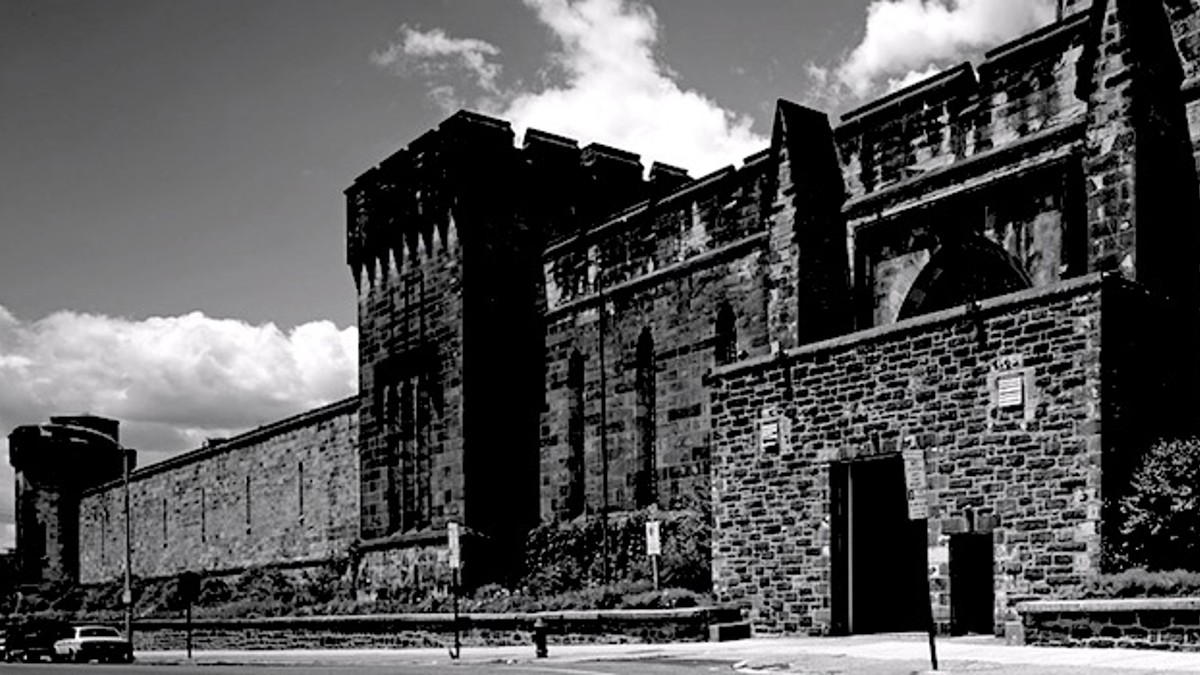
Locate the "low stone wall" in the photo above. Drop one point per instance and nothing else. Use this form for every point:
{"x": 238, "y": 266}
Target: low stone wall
{"x": 1150, "y": 623}
{"x": 396, "y": 631}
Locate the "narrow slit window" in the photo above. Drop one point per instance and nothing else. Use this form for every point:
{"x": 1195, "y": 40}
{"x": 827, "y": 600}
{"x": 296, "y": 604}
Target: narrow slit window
{"x": 300, "y": 487}
{"x": 646, "y": 486}
{"x": 203, "y": 517}
{"x": 726, "y": 338}
{"x": 577, "y": 488}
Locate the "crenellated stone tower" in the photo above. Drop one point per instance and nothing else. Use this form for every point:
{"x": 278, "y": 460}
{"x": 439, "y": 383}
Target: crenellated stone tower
{"x": 54, "y": 463}
{"x": 445, "y": 239}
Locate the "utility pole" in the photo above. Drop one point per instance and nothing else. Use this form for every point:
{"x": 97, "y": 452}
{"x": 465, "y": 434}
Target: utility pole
{"x": 127, "y": 594}
{"x": 603, "y": 431}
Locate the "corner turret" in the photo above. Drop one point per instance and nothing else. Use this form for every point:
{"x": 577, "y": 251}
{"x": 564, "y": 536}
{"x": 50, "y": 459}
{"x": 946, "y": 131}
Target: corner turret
{"x": 54, "y": 463}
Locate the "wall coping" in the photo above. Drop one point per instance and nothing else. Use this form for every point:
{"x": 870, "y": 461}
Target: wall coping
{"x": 1043, "y": 35}
{"x": 1033, "y": 145}
{"x": 613, "y": 223}
{"x": 466, "y": 618}
{"x": 1076, "y": 286}
{"x": 344, "y": 406}
{"x": 962, "y": 74}
{"x": 659, "y": 275}
{"x": 1113, "y": 605}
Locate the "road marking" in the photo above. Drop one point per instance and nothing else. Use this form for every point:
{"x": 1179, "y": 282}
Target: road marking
{"x": 564, "y": 670}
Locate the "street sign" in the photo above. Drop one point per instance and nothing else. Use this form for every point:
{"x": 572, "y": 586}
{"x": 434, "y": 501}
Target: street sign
{"x": 126, "y": 597}
{"x": 916, "y": 485}
{"x": 653, "y": 542}
{"x": 455, "y": 551}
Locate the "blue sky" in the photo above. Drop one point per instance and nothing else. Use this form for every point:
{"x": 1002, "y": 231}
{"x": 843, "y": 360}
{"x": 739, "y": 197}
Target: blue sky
{"x": 171, "y": 171}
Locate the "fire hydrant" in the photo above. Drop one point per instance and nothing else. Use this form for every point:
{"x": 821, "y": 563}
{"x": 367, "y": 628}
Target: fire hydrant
{"x": 539, "y": 637}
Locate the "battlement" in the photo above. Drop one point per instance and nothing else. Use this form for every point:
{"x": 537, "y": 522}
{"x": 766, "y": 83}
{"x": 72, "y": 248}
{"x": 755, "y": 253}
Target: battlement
{"x": 1022, "y": 88}
{"x": 413, "y": 200}
{"x": 71, "y": 451}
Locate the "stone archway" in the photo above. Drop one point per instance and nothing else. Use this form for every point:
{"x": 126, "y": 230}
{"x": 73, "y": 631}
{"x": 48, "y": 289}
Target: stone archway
{"x": 962, "y": 271}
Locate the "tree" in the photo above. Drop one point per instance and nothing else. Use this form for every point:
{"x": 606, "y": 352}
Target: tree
{"x": 1160, "y": 515}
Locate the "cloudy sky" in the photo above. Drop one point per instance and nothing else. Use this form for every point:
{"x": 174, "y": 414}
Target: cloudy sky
{"x": 171, "y": 216}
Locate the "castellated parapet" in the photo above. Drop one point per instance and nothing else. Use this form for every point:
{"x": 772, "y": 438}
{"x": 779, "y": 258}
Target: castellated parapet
{"x": 445, "y": 239}
{"x": 992, "y": 270}
{"x": 54, "y": 464}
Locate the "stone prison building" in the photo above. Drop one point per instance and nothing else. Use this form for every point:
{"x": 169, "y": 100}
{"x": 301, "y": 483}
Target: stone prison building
{"x": 994, "y": 270}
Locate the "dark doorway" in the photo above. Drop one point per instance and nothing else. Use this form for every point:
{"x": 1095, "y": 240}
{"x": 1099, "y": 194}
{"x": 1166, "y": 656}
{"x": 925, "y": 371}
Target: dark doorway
{"x": 971, "y": 585}
{"x": 879, "y": 556}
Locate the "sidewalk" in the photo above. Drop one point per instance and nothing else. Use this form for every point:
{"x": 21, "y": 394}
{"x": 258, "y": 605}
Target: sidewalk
{"x": 866, "y": 654}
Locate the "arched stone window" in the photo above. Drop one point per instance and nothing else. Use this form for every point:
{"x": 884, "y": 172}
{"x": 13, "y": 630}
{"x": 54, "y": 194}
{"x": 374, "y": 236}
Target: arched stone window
{"x": 576, "y": 486}
{"x": 646, "y": 487}
{"x": 962, "y": 271}
{"x": 725, "y": 346}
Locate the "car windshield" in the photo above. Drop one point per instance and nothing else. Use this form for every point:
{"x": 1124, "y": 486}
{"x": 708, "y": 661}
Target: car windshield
{"x": 98, "y": 631}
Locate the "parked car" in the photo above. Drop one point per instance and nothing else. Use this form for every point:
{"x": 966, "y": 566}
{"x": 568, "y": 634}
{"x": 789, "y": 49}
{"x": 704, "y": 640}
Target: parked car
{"x": 93, "y": 643}
{"x": 32, "y": 640}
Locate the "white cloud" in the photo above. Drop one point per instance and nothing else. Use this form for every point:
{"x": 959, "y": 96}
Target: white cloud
{"x": 911, "y": 78}
{"x": 611, "y": 88}
{"x": 433, "y": 53}
{"x": 171, "y": 381}
{"x": 903, "y": 39}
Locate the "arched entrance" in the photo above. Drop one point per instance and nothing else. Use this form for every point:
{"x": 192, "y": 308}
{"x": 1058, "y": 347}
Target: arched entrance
{"x": 963, "y": 270}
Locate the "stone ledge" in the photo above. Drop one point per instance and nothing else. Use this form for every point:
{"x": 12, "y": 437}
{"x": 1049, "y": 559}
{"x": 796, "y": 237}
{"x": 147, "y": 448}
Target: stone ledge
{"x": 678, "y": 269}
{"x": 415, "y": 630}
{"x": 1137, "y": 623}
{"x": 466, "y": 619}
{"x": 1116, "y": 605}
{"x": 982, "y": 309}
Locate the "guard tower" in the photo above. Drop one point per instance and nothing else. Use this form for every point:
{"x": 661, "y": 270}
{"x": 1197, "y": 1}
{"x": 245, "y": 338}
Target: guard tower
{"x": 54, "y": 463}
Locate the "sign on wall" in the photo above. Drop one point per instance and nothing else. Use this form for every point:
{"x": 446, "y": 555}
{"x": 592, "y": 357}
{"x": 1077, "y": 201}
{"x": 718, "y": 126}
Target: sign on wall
{"x": 1010, "y": 390}
{"x": 916, "y": 484}
{"x": 455, "y": 550}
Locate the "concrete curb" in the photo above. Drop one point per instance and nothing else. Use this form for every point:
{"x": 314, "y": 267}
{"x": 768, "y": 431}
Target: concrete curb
{"x": 756, "y": 655}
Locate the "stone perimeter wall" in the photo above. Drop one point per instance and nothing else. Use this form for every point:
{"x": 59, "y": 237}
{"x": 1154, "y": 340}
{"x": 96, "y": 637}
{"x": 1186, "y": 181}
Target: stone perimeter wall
{"x": 399, "y": 631}
{"x": 287, "y": 492}
{"x": 1031, "y": 474}
{"x": 1152, "y": 623}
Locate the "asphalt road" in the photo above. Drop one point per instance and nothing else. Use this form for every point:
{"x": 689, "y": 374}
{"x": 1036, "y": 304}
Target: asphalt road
{"x": 649, "y": 667}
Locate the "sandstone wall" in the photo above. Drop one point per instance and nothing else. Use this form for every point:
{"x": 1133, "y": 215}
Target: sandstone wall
{"x": 287, "y": 492}
{"x": 1029, "y": 474}
{"x": 994, "y": 153}
{"x": 665, "y": 269}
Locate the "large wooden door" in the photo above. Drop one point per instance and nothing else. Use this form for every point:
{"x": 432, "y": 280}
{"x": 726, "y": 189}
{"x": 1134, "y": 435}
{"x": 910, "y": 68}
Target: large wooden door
{"x": 879, "y": 556}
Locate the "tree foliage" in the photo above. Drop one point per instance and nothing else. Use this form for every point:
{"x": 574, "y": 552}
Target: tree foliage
{"x": 1160, "y": 513}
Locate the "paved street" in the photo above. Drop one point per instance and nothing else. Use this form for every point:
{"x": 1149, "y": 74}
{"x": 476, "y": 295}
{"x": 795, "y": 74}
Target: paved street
{"x": 586, "y": 668}
{"x": 860, "y": 655}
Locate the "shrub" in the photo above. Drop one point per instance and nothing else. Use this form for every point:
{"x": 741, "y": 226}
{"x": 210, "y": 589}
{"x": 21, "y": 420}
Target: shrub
{"x": 564, "y": 557}
{"x": 1139, "y": 583}
{"x": 1160, "y": 514}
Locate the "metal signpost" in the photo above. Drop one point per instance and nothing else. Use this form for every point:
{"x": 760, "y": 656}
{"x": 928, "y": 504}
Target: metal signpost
{"x": 653, "y": 548}
{"x": 455, "y": 565}
{"x": 917, "y": 489}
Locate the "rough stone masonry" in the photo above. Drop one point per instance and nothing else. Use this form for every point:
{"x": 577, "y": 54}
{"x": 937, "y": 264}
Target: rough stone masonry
{"x": 993, "y": 270}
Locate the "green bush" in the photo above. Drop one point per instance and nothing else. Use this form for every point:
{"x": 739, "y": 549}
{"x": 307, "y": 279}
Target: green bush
{"x": 1139, "y": 583}
{"x": 563, "y": 557}
{"x": 1160, "y": 514}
